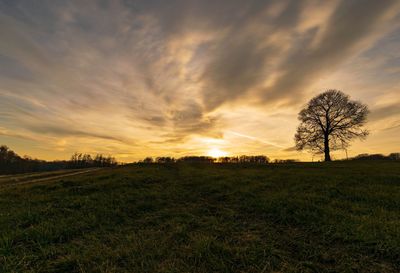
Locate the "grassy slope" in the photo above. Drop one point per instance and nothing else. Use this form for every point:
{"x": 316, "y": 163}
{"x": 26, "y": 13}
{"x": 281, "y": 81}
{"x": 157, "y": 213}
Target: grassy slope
{"x": 339, "y": 217}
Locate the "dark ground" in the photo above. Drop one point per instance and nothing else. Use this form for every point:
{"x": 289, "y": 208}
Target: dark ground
{"x": 303, "y": 217}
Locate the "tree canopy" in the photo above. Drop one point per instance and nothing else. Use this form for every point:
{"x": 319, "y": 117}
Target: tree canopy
{"x": 329, "y": 122}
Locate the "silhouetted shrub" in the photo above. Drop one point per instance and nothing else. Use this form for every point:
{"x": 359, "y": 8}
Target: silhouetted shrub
{"x": 258, "y": 159}
{"x": 165, "y": 159}
{"x": 148, "y": 160}
{"x": 394, "y": 156}
{"x": 196, "y": 159}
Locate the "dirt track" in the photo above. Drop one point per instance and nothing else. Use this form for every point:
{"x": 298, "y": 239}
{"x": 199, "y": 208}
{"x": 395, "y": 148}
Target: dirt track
{"x": 14, "y": 180}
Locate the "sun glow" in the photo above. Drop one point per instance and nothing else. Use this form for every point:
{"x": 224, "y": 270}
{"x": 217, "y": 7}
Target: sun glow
{"x": 215, "y": 152}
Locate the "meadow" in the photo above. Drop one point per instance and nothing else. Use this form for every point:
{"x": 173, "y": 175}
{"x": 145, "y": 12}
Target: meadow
{"x": 298, "y": 217}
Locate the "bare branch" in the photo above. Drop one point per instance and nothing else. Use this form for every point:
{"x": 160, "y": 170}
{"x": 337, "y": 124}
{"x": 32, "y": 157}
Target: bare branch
{"x": 329, "y": 122}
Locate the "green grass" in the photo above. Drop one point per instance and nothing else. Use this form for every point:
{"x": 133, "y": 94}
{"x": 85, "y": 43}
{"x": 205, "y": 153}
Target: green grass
{"x": 337, "y": 217}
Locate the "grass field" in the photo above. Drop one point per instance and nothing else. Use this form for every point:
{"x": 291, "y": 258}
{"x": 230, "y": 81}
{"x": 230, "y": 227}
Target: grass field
{"x": 303, "y": 217}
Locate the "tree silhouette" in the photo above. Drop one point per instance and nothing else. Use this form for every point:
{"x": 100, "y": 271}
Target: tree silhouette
{"x": 329, "y": 122}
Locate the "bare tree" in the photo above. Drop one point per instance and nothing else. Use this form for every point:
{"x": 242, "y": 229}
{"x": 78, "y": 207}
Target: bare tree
{"x": 329, "y": 122}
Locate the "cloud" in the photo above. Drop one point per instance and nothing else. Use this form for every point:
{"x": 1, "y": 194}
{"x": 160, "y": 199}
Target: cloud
{"x": 154, "y": 72}
{"x": 8, "y": 133}
{"x": 290, "y": 149}
{"x": 263, "y": 141}
{"x": 276, "y": 59}
{"x": 67, "y": 132}
{"x": 350, "y": 24}
{"x": 383, "y": 112}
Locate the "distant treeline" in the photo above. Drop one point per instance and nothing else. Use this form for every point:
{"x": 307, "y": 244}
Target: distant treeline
{"x": 392, "y": 156}
{"x": 258, "y": 159}
{"x": 87, "y": 161}
{"x": 12, "y": 163}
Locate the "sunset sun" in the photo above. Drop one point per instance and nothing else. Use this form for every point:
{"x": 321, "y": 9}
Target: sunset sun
{"x": 215, "y": 152}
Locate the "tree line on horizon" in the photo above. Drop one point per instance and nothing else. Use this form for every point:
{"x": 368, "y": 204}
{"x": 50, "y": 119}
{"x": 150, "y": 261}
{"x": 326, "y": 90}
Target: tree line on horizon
{"x": 391, "y": 156}
{"x": 79, "y": 160}
{"x": 258, "y": 159}
{"x": 12, "y": 163}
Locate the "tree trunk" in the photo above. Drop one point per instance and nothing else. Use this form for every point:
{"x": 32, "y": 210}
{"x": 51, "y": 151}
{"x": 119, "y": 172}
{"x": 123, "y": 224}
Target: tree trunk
{"x": 326, "y": 148}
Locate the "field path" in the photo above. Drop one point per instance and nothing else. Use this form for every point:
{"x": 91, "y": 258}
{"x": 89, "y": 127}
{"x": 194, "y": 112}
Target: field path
{"x": 47, "y": 178}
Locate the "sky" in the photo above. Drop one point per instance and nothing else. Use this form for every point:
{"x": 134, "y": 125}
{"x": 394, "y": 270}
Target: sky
{"x": 183, "y": 77}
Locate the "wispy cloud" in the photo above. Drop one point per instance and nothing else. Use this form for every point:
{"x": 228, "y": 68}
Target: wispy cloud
{"x": 159, "y": 74}
{"x": 255, "y": 139}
